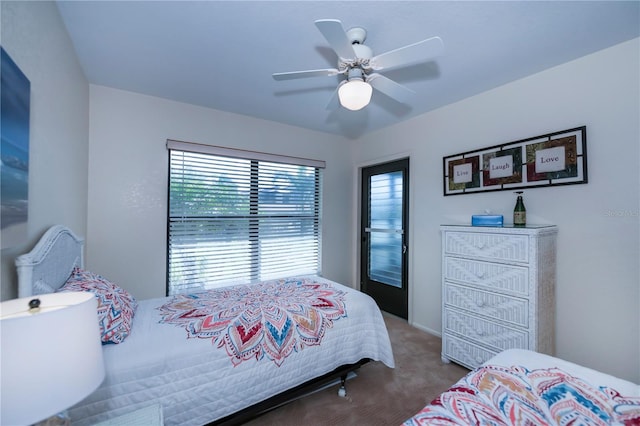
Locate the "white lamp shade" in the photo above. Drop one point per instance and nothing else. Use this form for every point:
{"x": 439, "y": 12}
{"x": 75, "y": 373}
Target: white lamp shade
{"x": 355, "y": 94}
{"x": 51, "y": 359}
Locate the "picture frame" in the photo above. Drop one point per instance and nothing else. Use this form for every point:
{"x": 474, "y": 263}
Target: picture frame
{"x": 558, "y": 158}
{"x": 15, "y": 98}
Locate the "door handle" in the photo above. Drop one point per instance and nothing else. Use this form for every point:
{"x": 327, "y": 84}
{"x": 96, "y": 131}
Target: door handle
{"x": 386, "y": 230}
{"x": 404, "y": 249}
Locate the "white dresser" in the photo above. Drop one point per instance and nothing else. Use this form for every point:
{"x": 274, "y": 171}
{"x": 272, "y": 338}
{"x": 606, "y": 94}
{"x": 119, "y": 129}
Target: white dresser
{"x": 498, "y": 291}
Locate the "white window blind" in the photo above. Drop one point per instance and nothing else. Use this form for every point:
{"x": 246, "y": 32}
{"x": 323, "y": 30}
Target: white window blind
{"x": 234, "y": 220}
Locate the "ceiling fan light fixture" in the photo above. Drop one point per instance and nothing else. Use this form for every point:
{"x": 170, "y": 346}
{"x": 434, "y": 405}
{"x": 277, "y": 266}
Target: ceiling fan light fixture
{"x": 355, "y": 94}
{"x": 362, "y": 69}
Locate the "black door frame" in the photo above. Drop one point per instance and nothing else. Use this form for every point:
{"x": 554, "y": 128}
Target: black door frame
{"x": 389, "y": 298}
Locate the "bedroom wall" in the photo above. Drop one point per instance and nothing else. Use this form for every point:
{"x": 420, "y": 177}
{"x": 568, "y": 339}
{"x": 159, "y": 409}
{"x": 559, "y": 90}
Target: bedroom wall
{"x": 598, "y": 252}
{"x": 34, "y": 36}
{"x": 598, "y": 285}
{"x": 128, "y": 161}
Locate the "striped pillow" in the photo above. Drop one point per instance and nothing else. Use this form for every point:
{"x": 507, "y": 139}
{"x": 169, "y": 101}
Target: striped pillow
{"x": 116, "y": 307}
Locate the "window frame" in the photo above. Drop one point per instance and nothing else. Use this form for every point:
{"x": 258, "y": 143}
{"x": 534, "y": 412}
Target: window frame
{"x": 253, "y": 216}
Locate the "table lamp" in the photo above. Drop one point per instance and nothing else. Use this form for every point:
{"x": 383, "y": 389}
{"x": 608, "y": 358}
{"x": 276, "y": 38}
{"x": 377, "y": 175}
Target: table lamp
{"x": 50, "y": 355}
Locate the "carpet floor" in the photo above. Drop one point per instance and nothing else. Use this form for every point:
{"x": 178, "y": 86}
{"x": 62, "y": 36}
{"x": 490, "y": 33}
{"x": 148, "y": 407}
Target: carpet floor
{"x": 378, "y": 395}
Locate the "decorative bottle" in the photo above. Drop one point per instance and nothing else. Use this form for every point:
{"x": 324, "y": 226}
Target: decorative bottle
{"x": 519, "y": 212}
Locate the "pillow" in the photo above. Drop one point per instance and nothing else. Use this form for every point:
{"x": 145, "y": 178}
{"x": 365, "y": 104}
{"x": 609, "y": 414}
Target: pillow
{"x": 116, "y": 307}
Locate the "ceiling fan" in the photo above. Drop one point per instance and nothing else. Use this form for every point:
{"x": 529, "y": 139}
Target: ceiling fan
{"x": 357, "y": 63}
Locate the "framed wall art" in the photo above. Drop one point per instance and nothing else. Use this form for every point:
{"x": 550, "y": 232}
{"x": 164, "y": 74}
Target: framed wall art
{"x": 558, "y": 158}
{"x": 15, "y": 95}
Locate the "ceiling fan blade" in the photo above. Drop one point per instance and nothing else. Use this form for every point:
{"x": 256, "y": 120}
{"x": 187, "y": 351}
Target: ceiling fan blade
{"x": 305, "y": 74}
{"x": 334, "y": 101}
{"x": 332, "y": 30}
{"x": 390, "y": 88}
{"x": 421, "y": 51}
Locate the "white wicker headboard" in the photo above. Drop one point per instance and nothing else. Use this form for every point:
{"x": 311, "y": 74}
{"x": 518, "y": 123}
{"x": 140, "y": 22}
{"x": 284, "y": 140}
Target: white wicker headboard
{"x": 48, "y": 266}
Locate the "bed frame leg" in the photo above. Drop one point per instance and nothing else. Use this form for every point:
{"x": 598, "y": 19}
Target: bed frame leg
{"x": 342, "y": 392}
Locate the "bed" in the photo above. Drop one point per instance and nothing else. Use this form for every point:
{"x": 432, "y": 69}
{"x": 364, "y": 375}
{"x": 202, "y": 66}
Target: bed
{"x": 522, "y": 387}
{"x": 207, "y": 360}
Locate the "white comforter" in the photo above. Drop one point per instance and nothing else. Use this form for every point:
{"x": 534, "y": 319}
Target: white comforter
{"x": 533, "y": 360}
{"x": 196, "y": 382}
{"x": 521, "y": 387}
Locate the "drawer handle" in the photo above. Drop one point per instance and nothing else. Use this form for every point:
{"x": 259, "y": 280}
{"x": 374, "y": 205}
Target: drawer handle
{"x": 480, "y": 245}
{"x": 481, "y": 274}
{"x": 480, "y": 303}
{"x": 479, "y": 360}
{"x": 480, "y": 332}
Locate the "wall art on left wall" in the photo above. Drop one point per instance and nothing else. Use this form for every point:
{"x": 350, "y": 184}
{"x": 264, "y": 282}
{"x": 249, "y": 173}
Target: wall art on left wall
{"x": 15, "y": 95}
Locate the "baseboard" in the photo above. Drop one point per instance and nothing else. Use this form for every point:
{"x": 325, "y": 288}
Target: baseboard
{"x": 427, "y": 330}
{"x": 413, "y": 324}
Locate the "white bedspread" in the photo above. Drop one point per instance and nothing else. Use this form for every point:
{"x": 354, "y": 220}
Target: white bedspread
{"x": 196, "y": 382}
{"x": 533, "y": 360}
{"x": 521, "y": 387}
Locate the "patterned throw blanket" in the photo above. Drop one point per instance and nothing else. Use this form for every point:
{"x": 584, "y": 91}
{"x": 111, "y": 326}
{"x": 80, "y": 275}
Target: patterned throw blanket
{"x": 270, "y": 318}
{"x": 496, "y": 395}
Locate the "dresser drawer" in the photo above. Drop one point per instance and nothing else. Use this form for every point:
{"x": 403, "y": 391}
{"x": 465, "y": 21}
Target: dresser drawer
{"x": 463, "y": 352}
{"x": 492, "y": 276}
{"x": 501, "y": 247}
{"x": 501, "y": 307}
{"x": 489, "y": 333}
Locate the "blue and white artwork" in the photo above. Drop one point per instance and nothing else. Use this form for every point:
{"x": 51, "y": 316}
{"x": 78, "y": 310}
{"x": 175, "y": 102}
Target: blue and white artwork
{"x": 14, "y": 152}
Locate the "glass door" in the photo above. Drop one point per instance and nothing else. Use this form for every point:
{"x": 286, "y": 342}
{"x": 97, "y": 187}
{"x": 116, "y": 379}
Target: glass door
{"x": 383, "y": 264}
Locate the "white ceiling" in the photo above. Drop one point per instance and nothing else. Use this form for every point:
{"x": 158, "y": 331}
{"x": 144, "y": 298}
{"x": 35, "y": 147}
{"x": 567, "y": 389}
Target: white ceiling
{"x": 221, "y": 54}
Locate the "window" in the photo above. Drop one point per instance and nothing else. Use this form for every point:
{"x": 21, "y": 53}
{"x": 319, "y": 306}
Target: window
{"x": 238, "y": 216}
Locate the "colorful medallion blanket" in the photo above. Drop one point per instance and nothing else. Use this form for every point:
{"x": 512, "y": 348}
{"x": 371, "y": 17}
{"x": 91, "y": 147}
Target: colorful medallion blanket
{"x": 497, "y": 395}
{"x": 270, "y": 318}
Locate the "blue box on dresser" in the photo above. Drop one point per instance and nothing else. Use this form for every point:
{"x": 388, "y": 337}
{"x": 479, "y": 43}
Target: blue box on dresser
{"x": 487, "y": 220}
